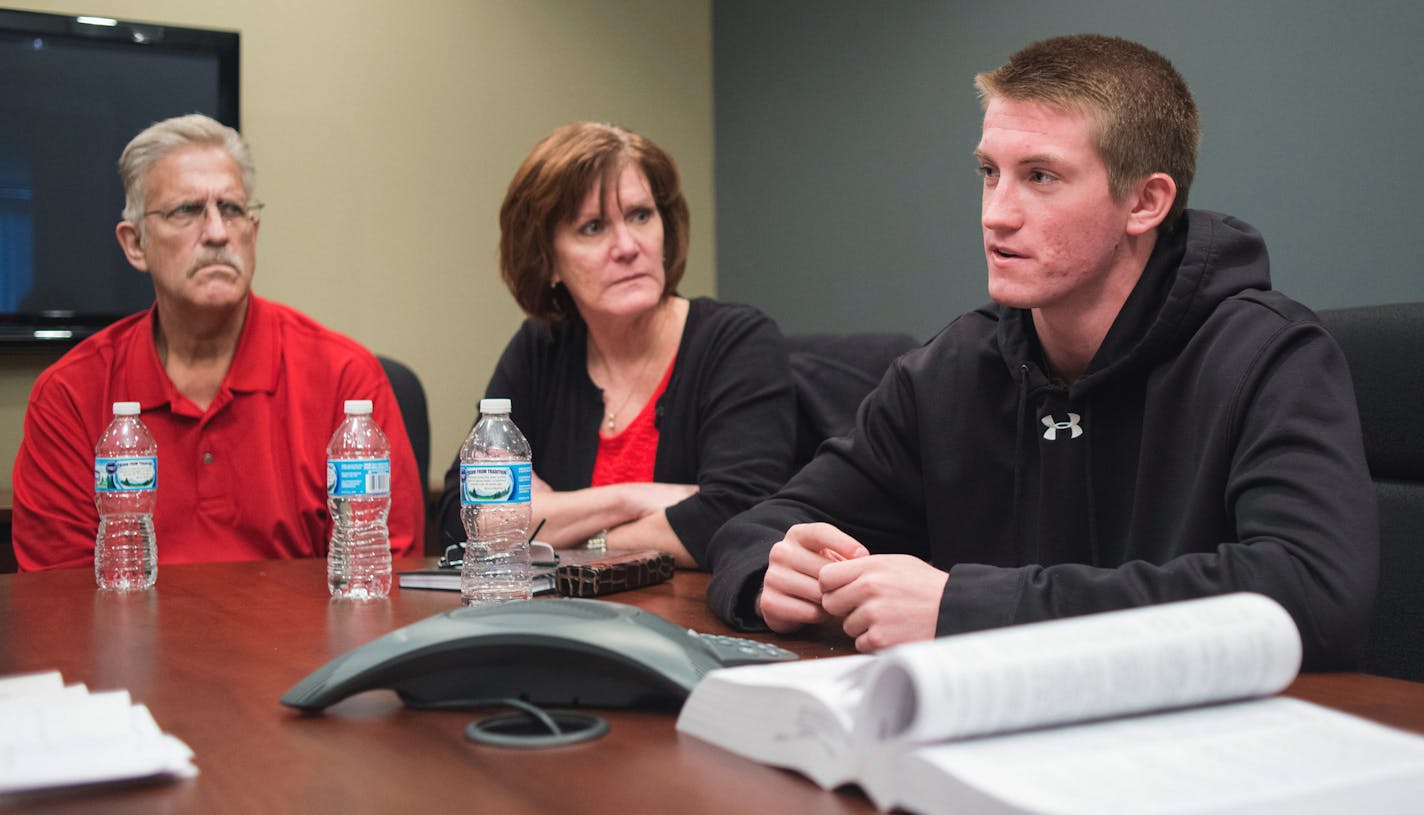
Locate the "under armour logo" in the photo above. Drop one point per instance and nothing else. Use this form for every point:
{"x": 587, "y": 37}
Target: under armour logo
{"x": 1053, "y": 427}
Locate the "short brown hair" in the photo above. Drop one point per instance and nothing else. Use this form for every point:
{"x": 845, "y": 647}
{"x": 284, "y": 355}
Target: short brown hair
{"x": 1146, "y": 119}
{"x": 547, "y": 190}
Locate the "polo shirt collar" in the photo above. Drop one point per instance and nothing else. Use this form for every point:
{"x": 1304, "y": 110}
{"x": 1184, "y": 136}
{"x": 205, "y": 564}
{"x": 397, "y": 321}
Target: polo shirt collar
{"x": 147, "y": 382}
{"x": 254, "y": 368}
{"x": 259, "y": 351}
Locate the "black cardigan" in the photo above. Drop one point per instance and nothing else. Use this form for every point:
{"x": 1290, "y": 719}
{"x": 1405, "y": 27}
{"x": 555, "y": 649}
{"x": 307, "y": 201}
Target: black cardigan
{"x": 724, "y": 423}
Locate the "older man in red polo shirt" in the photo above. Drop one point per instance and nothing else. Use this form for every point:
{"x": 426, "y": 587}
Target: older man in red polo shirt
{"x": 240, "y": 393}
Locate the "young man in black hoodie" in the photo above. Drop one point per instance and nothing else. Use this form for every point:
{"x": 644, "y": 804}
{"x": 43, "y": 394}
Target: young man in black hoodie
{"x": 1138, "y": 417}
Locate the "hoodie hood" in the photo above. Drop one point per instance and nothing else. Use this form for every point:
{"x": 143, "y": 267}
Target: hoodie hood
{"x": 1208, "y": 258}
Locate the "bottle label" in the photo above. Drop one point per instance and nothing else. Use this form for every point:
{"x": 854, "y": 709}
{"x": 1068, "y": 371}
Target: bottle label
{"x": 354, "y": 478}
{"x": 495, "y": 483}
{"x": 126, "y": 473}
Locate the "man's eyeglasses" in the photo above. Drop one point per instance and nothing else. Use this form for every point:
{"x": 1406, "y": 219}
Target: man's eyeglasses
{"x": 185, "y": 215}
{"x": 454, "y": 557}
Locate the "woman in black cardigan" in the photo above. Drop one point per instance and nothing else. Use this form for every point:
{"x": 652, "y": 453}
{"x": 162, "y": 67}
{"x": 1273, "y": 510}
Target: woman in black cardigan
{"x": 652, "y": 418}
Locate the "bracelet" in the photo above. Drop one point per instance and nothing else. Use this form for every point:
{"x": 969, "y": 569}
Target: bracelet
{"x": 598, "y": 541}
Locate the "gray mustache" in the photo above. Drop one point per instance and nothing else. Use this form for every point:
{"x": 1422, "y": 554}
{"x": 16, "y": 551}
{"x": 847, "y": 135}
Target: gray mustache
{"x": 211, "y": 258}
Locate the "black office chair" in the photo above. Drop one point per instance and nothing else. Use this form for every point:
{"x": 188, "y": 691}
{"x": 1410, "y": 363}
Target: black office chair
{"x": 832, "y": 374}
{"x": 416, "y": 415}
{"x": 1384, "y": 346}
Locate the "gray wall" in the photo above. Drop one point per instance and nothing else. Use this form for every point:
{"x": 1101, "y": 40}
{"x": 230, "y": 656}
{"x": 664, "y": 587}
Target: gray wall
{"x": 847, "y": 198}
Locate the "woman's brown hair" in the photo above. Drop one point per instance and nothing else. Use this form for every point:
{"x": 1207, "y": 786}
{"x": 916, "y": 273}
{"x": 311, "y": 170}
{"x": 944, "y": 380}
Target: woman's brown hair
{"x": 547, "y": 190}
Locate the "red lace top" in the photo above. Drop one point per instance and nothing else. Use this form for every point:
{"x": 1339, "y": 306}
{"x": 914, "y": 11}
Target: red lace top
{"x": 628, "y": 455}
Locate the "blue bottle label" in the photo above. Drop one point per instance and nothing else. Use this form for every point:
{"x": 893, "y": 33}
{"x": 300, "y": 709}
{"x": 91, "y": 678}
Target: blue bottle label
{"x": 495, "y": 483}
{"x": 126, "y": 473}
{"x": 357, "y": 478}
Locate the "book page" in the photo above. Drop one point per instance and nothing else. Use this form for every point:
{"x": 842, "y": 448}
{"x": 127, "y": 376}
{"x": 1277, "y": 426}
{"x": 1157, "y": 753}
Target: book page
{"x": 1258, "y": 757}
{"x": 788, "y": 714}
{"x": 1172, "y": 655}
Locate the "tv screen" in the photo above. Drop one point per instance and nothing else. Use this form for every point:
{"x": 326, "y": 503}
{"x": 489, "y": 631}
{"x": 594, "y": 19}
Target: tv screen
{"x": 73, "y": 92}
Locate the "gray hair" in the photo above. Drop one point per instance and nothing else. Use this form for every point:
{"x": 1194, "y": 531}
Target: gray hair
{"x": 161, "y": 138}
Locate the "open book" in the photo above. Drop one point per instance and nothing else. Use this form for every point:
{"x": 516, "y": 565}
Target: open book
{"x": 1154, "y": 709}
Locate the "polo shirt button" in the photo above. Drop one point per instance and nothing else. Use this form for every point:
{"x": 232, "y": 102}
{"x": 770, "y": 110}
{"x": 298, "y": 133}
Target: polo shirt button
{"x": 207, "y": 458}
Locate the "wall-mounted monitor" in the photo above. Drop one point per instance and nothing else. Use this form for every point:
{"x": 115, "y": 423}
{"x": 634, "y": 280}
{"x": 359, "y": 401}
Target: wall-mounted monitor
{"x": 73, "y": 91}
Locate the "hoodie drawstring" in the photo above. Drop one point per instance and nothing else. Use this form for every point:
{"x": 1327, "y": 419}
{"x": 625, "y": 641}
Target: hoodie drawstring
{"x": 1093, "y": 548}
{"x": 1018, "y": 526}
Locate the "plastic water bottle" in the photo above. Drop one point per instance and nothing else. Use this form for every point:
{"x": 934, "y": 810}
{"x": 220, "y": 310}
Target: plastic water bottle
{"x": 125, "y": 493}
{"x": 358, "y": 495}
{"x": 495, "y": 480}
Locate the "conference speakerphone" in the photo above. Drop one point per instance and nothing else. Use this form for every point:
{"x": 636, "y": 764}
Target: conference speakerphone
{"x": 565, "y": 651}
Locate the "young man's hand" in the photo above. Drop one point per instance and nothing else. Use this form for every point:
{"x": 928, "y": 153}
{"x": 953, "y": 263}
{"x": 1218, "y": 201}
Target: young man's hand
{"x": 884, "y": 600}
{"x": 791, "y": 591}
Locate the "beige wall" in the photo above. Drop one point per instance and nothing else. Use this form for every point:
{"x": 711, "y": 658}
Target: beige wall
{"x": 385, "y": 134}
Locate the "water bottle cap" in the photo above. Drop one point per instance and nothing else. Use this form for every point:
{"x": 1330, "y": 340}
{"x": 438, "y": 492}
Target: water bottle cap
{"x": 358, "y": 407}
{"x": 126, "y": 409}
{"x": 494, "y": 405}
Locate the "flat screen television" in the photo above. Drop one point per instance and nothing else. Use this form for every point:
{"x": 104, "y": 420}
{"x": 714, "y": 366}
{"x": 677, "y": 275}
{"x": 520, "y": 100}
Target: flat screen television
{"x": 73, "y": 92}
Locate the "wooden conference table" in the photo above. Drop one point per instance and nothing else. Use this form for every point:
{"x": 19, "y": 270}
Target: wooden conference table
{"x": 212, "y": 648}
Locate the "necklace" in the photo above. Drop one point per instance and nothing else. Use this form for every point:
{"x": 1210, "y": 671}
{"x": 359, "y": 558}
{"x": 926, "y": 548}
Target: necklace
{"x": 610, "y": 417}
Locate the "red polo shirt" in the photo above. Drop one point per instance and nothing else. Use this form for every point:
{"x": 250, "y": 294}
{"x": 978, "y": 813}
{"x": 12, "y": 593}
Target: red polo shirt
{"x": 243, "y": 480}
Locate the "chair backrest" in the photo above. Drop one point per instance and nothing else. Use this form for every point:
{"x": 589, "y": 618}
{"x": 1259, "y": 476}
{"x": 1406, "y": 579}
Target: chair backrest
{"x": 833, "y": 374}
{"x": 1384, "y": 346}
{"x": 414, "y": 412}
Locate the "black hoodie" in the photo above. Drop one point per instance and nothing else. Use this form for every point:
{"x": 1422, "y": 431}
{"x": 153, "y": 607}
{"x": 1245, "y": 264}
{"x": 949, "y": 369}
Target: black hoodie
{"x": 1211, "y": 445}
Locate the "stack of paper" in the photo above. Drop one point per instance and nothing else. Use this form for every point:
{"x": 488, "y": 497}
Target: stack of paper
{"x": 56, "y": 736}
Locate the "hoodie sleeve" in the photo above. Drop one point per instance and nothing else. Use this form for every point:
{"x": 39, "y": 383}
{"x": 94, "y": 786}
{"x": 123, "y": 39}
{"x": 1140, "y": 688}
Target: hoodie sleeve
{"x": 867, "y": 483}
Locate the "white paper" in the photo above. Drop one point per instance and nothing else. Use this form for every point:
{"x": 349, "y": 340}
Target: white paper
{"x": 790, "y": 714}
{"x": 57, "y": 736}
{"x": 1262, "y": 756}
{"x": 1175, "y": 655}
